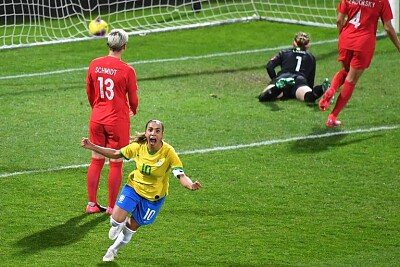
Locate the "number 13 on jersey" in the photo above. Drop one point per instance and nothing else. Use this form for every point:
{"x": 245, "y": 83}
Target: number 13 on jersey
{"x": 106, "y": 88}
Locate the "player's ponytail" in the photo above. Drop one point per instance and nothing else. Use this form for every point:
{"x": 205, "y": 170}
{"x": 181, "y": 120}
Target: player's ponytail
{"x": 138, "y": 138}
{"x": 301, "y": 41}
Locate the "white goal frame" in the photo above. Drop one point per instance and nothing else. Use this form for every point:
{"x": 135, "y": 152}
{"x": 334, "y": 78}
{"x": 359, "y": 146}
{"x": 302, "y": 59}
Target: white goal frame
{"x": 38, "y": 22}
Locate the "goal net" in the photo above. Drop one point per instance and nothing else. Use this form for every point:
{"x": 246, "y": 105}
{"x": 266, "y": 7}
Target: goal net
{"x": 37, "y": 22}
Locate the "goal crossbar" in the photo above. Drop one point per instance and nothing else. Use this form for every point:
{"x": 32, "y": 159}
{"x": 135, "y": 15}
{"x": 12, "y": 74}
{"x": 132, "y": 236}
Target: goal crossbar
{"x": 38, "y": 22}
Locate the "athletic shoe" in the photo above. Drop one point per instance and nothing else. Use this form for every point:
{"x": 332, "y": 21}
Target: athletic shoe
{"x": 115, "y": 230}
{"x": 110, "y": 254}
{"x": 95, "y": 209}
{"x": 325, "y": 85}
{"x": 332, "y": 121}
{"x": 109, "y": 210}
{"x": 282, "y": 82}
{"x": 326, "y": 100}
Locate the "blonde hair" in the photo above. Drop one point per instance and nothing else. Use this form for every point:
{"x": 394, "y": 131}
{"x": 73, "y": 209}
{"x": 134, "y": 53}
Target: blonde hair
{"x": 117, "y": 39}
{"x": 139, "y": 138}
{"x": 301, "y": 40}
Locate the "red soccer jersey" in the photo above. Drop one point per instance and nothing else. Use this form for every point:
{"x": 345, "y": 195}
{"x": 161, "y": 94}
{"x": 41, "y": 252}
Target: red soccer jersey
{"x": 359, "y": 31}
{"x": 110, "y": 84}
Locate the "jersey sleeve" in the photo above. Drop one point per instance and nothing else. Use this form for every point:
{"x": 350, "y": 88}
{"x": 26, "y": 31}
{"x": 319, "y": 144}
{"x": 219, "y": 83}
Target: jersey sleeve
{"x": 175, "y": 161}
{"x": 387, "y": 13}
{"x": 132, "y": 91}
{"x": 311, "y": 76}
{"x": 90, "y": 87}
{"x": 130, "y": 150}
{"x": 342, "y": 7}
{"x": 274, "y": 62}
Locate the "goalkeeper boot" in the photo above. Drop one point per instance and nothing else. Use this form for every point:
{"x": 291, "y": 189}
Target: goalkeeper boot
{"x": 325, "y": 85}
{"x": 326, "y": 100}
{"x": 283, "y": 82}
{"x": 110, "y": 254}
{"x": 332, "y": 121}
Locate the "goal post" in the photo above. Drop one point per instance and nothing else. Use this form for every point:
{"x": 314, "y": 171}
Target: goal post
{"x": 37, "y": 22}
{"x": 395, "y": 8}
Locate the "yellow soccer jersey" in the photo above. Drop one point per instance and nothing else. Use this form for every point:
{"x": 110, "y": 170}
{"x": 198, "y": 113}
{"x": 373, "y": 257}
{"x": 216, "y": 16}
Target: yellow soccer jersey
{"x": 150, "y": 179}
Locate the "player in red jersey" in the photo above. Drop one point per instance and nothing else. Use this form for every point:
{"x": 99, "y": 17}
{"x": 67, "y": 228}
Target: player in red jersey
{"x": 357, "y": 23}
{"x": 111, "y": 89}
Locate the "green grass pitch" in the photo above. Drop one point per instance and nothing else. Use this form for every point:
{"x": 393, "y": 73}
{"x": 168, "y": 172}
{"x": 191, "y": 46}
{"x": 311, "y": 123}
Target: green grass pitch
{"x": 279, "y": 188}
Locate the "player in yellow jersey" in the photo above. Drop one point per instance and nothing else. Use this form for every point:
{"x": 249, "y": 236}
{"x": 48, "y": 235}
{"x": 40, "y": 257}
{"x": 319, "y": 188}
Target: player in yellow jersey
{"x": 147, "y": 186}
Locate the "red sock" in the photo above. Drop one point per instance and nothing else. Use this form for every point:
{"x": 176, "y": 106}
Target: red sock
{"x": 343, "y": 98}
{"x": 93, "y": 178}
{"x": 338, "y": 80}
{"x": 114, "y": 181}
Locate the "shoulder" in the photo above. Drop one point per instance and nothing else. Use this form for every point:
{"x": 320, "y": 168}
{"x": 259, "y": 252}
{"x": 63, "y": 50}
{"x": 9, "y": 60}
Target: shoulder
{"x": 96, "y": 60}
{"x": 283, "y": 53}
{"x": 132, "y": 146}
{"x": 168, "y": 149}
{"x": 126, "y": 65}
{"x": 130, "y": 150}
{"x": 310, "y": 55}
{"x": 286, "y": 51}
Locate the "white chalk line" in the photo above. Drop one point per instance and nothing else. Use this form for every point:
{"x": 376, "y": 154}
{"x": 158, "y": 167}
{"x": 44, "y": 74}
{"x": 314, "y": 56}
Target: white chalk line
{"x": 225, "y": 54}
{"x": 223, "y": 148}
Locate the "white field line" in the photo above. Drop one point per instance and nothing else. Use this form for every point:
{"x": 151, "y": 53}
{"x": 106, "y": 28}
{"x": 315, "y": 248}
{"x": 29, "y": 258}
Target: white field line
{"x": 223, "y": 148}
{"x": 30, "y": 75}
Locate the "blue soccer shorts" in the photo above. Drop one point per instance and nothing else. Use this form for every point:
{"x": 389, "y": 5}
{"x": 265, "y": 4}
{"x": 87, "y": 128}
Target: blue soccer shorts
{"x": 143, "y": 211}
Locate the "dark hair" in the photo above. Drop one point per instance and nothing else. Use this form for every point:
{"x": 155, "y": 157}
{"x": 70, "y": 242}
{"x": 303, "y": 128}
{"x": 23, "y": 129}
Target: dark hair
{"x": 141, "y": 137}
{"x": 301, "y": 40}
{"x": 156, "y": 121}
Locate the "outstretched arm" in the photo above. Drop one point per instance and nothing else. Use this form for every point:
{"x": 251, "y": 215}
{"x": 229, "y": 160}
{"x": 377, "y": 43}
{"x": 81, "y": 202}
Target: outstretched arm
{"x": 187, "y": 182}
{"x": 107, "y": 152}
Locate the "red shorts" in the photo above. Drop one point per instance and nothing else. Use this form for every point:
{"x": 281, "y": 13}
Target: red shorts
{"x": 111, "y": 136}
{"x": 355, "y": 59}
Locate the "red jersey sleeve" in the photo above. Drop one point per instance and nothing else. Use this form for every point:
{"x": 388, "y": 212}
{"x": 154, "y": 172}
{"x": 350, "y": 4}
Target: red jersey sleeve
{"x": 90, "y": 88}
{"x": 132, "y": 91}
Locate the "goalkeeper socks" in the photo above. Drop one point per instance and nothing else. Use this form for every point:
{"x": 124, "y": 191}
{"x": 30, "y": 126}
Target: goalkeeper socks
{"x": 309, "y": 97}
{"x": 318, "y": 91}
{"x": 338, "y": 80}
{"x": 343, "y": 98}
{"x": 114, "y": 181}
{"x": 93, "y": 178}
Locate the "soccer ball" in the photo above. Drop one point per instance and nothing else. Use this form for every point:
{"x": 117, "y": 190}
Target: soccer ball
{"x": 98, "y": 27}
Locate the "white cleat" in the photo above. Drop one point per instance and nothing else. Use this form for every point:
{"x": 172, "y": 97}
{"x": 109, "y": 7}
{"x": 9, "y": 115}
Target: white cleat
{"x": 110, "y": 254}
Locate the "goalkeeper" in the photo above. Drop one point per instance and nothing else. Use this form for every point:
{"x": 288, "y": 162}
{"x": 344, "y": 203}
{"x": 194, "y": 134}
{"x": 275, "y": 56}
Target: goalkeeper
{"x": 295, "y": 80}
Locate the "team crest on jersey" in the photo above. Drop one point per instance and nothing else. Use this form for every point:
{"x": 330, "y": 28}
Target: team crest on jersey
{"x": 159, "y": 162}
{"x": 121, "y": 198}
